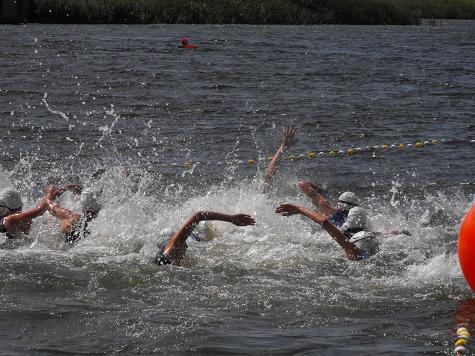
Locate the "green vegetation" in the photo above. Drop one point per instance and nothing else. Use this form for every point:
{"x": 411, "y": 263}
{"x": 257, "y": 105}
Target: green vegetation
{"x": 400, "y": 12}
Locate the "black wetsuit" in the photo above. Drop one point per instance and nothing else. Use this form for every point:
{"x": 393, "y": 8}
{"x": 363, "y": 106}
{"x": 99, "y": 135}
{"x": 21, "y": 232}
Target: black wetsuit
{"x": 80, "y": 230}
{"x": 3, "y": 230}
{"x": 161, "y": 259}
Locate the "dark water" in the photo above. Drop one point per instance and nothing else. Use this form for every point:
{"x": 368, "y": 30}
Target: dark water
{"x": 74, "y": 99}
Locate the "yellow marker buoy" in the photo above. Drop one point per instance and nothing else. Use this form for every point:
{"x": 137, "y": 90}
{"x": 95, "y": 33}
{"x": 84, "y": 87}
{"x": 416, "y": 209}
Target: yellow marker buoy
{"x": 461, "y": 342}
{"x": 385, "y": 146}
{"x": 402, "y": 145}
{"x": 350, "y": 151}
{"x": 434, "y": 142}
{"x": 251, "y": 162}
{"x": 187, "y": 164}
{"x": 269, "y": 158}
{"x": 463, "y": 332}
{"x": 312, "y": 155}
{"x": 332, "y": 153}
{"x": 291, "y": 157}
{"x": 419, "y": 145}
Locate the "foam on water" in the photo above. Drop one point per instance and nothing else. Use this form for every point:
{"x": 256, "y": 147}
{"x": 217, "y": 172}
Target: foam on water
{"x": 128, "y": 230}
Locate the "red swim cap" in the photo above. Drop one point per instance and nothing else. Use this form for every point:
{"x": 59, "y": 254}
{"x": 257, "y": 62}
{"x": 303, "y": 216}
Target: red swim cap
{"x": 184, "y": 41}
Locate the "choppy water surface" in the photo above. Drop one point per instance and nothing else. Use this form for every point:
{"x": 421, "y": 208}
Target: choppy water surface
{"x": 74, "y": 99}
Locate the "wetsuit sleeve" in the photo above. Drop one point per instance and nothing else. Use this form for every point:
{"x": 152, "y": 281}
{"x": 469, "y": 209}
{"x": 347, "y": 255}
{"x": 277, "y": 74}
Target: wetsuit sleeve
{"x": 3, "y": 230}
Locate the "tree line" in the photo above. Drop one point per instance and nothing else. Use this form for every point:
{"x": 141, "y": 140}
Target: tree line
{"x": 305, "y": 12}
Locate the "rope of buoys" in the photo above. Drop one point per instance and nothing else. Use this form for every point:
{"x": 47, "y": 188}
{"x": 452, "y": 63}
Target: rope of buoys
{"x": 463, "y": 339}
{"x": 350, "y": 152}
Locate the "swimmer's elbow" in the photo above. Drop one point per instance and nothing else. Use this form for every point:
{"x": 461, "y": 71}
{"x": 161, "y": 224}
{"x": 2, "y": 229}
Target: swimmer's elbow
{"x": 199, "y": 215}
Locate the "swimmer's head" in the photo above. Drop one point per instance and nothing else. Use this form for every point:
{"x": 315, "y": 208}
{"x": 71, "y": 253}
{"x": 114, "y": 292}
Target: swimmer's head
{"x": 346, "y": 201}
{"x": 10, "y": 202}
{"x": 184, "y": 41}
{"x": 90, "y": 201}
{"x": 356, "y": 220}
{"x": 366, "y": 241}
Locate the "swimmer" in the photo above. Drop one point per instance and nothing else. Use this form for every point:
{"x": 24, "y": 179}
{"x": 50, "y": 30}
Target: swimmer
{"x": 287, "y": 142}
{"x": 174, "y": 250}
{"x": 359, "y": 245}
{"x": 13, "y": 220}
{"x": 339, "y": 213}
{"x": 184, "y": 44}
{"x": 73, "y": 225}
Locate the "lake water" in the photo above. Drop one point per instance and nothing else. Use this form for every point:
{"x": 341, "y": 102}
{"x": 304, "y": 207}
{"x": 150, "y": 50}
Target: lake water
{"x": 174, "y": 130}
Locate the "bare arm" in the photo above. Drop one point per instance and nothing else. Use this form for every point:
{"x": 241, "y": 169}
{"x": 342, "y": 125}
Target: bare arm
{"x": 67, "y": 218}
{"x": 392, "y": 232}
{"x": 52, "y": 192}
{"x": 315, "y": 194}
{"x": 288, "y": 141}
{"x": 61, "y": 213}
{"x": 352, "y": 252}
{"x": 175, "y": 247}
{"x": 11, "y": 222}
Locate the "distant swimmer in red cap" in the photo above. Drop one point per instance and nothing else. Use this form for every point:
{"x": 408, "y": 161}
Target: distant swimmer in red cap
{"x": 184, "y": 44}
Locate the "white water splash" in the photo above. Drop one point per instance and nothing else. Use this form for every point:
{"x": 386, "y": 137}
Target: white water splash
{"x": 56, "y": 112}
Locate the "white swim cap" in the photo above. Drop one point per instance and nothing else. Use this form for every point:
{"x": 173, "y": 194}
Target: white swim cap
{"x": 366, "y": 241}
{"x": 357, "y": 219}
{"x": 348, "y": 198}
{"x": 9, "y": 200}
{"x": 90, "y": 200}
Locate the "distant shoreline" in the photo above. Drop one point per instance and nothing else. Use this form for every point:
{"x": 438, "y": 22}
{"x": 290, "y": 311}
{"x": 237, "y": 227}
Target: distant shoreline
{"x": 290, "y": 12}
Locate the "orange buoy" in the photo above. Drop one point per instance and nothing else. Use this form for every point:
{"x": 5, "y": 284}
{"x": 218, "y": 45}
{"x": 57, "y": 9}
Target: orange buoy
{"x": 466, "y": 247}
{"x": 184, "y": 44}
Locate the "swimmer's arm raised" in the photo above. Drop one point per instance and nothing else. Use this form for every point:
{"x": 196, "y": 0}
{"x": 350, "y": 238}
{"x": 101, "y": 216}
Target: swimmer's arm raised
{"x": 52, "y": 192}
{"x": 288, "y": 141}
{"x": 67, "y": 217}
{"x": 175, "y": 247}
{"x": 10, "y": 222}
{"x": 315, "y": 194}
{"x": 187, "y": 228}
{"x": 352, "y": 252}
{"x": 236, "y": 219}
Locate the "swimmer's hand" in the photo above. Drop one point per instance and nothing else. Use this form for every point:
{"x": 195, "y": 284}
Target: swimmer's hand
{"x": 52, "y": 192}
{"x": 243, "y": 220}
{"x": 75, "y": 188}
{"x": 311, "y": 188}
{"x": 289, "y": 136}
{"x": 287, "y": 209}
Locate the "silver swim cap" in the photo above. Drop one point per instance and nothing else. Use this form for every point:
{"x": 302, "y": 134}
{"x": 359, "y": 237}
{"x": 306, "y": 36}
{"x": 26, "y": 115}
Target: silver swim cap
{"x": 9, "y": 200}
{"x": 348, "y": 198}
{"x": 357, "y": 219}
{"x": 90, "y": 200}
{"x": 366, "y": 241}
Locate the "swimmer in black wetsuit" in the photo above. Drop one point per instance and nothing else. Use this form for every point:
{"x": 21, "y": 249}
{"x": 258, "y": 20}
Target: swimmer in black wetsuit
{"x": 174, "y": 250}
{"x": 14, "y": 221}
{"x": 73, "y": 225}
